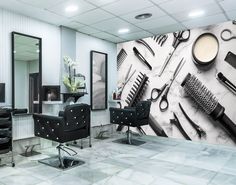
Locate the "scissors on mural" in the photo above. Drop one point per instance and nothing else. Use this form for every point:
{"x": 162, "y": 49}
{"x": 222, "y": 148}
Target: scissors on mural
{"x": 156, "y": 93}
{"x": 126, "y": 80}
{"x": 227, "y": 35}
{"x": 179, "y": 37}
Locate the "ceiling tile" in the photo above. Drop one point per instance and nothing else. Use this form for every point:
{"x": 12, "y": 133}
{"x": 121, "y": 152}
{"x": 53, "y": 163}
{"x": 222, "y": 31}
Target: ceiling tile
{"x": 159, "y": 1}
{"x": 37, "y": 13}
{"x": 231, "y": 15}
{"x": 109, "y": 37}
{"x": 131, "y": 28}
{"x": 74, "y": 25}
{"x": 136, "y": 35}
{"x": 205, "y": 21}
{"x": 88, "y": 30}
{"x": 101, "y": 2}
{"x": 126, "y": 6}
{"x": 113, "y": 25}
{"x": 210, "y": 9}
{"x": 42, "y": 3}
{"x": 155, "y": 11}
{"x": 175, "y": 6}
{"x": 116, "y": 40}
{"x": 82, "y": 7}
{"x": 167, "y": 29}
{"x": 159, "y": 22}
{"x": 93, "y": 16}
{"x": 228, "y": 5}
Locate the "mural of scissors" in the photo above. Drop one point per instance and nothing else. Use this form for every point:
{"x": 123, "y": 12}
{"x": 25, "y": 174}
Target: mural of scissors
{"x": 164, "y": 104}
{"x": 227, "y": 35}
{"x": 156, "y": 93}
{"x": 179, "y": 37}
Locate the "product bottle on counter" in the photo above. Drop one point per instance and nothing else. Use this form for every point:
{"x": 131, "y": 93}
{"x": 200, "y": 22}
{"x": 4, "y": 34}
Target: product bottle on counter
{"x": 114, "y": 95}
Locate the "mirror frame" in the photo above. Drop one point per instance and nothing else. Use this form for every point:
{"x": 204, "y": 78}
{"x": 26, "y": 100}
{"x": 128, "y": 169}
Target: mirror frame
{"x": 91, "y": 79}
{"x": 13, "y": 68}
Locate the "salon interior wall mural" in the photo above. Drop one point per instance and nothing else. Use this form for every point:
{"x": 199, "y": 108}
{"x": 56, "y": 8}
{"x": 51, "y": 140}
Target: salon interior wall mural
{"x": 189, "y": 76}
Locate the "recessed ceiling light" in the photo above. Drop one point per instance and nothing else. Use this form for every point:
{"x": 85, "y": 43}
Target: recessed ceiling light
{"x": 143, "y": 16}
{"x": 71, "y": 8}
{"x": 197, "y": 13}
{"x": 123, "y": 30}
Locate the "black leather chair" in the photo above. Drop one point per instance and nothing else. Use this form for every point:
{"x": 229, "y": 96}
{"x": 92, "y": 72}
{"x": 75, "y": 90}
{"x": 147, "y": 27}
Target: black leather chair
{"x": 70, "y": 125}
{"x": 131, "y": 117}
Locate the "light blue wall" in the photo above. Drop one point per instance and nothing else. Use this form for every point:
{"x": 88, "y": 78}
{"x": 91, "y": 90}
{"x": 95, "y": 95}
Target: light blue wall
{"x": 68, "y": 48}
{"x": 84, "y": 44}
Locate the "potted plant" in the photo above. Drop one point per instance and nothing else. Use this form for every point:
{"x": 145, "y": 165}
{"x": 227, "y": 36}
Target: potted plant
{"x": 69, "y": 79}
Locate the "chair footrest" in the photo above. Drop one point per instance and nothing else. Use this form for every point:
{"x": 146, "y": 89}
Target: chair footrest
{"x": 29, "y": 150}
{"x": 68, "y": 162}
{"x": 133, "y": 142}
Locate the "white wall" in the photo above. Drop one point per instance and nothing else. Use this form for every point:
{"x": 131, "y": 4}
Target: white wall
{"x": 51, "y": 55}
{"x": 84, "y": 44}
{"x": 50, "y": 35}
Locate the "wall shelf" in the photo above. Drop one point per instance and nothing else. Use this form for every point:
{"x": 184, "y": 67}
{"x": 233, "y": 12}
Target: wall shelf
{"x": 76, "y": 96}
{"x": 52, "y": 102}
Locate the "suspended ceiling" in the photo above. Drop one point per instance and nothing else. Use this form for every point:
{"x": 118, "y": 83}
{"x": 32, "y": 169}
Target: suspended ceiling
{"x": 103, "y": 18}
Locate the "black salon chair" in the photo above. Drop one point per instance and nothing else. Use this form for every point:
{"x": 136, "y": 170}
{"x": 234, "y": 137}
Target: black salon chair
{"x": 70, "y": 125}
{"x": 131, "y": 117}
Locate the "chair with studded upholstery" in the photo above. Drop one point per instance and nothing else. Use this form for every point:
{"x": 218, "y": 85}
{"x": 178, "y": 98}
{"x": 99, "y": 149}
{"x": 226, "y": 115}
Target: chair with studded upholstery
{"x": 131, "y": 117}
{"x": 70, "y": 125}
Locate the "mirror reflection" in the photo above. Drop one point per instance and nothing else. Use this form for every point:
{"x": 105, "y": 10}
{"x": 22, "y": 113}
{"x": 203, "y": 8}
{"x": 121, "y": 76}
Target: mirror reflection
{"x": 26, "y": 59}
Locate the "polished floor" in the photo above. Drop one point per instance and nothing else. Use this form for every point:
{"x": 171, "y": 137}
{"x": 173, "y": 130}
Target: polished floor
{"x": 160, "y": 161}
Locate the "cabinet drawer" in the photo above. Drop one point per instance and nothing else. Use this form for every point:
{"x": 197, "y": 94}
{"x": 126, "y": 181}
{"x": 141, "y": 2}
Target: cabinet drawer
{"x": 4, "y": 140}
{"x": 5, "y": 132}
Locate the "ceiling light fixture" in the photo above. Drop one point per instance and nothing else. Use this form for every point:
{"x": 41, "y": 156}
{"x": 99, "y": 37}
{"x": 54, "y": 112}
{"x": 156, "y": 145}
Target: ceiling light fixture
{"x": 143, "y": 16}
{"x": 71, "y": 8}
{"x": 123, "y": 31}
{"x": 197, "y": 13}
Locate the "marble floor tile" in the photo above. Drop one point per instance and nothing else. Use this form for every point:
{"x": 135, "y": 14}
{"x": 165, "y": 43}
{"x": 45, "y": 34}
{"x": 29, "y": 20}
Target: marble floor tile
{"x": 106, "y": 168}
{"x": 114, "y": 180}
{"x": 44, "y": 172}
{"x": 67, "y": 179}
{"x": 117, "y": 163}
{"x": 7, "y": 171}
{"x": 143, "y": 152}
{"x": 155, "y": 167}
{"x": 209, "y": 158}
{"x": 223, "y": 179}
{"x": 158, "y": 148}
{"x": 130, "y": 159}
{"x": 190, "y": 175}
{"x": 160, "y": 161}
{"x": 230, "y": 166}
{"x": 21, "y": 178}
{"x": 87, "y": 174}
{"x": 164, "y": 181}
{"x": 136, "y": 176}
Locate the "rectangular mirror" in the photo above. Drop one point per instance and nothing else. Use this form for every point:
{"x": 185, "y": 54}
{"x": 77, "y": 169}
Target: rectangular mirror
{"x": 2, "y": 92}
{"x": 98, "y": 80}
{"x": 26, "y": 72}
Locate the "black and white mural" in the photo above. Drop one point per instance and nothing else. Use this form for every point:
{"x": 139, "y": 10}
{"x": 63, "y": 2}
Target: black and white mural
{"x": 98, "y": 80}
{"x": 181, "y": 62}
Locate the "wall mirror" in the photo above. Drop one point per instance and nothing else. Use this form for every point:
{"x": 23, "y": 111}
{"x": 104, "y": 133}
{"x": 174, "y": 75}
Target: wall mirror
{"x": 98, "y": 80}
{"x": 26, "y": 72}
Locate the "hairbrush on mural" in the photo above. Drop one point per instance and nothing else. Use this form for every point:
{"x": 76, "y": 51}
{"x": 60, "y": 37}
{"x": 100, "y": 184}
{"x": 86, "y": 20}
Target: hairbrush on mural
{"x": 202, "y": 52}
